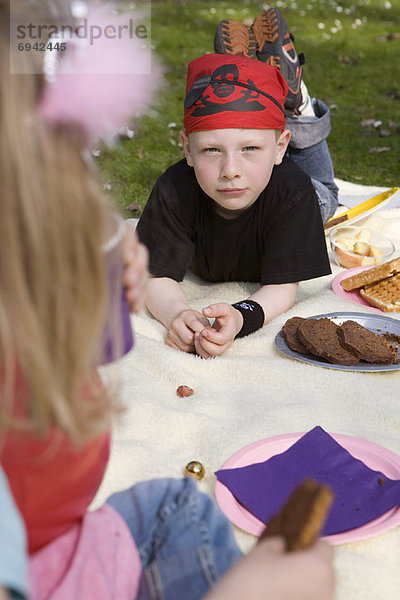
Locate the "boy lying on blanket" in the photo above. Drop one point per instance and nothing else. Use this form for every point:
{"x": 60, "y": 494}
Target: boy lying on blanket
{"x": 239, "y": 208}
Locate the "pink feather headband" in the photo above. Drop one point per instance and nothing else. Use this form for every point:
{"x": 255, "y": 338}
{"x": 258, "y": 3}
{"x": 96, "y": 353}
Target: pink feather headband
{"x": 103, "y": 79}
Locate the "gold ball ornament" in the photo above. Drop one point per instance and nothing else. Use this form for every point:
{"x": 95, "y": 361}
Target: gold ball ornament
{"x": 194, "y": 468}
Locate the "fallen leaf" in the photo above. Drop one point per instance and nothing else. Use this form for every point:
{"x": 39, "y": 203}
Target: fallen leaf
{"x": 367, "y": 123}
{"x": 389, "y": 37}
{"x": 394, "y": 94}
{"x": 371, "y": 123}
{"x": 126, "y": 133}
{"x": 378, "y": 149}
{"x": 134, "y": 207}
{"x": 140, "y": 154}
{"x": 347, "y": 60}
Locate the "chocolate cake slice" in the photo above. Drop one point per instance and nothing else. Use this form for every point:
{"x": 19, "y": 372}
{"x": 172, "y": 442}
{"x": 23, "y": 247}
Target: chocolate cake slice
{"x": 320, "y": 337}
{"x": 365, "y": 344}
{"x": 290, "y": 333}
{"x": 302, "y": 518}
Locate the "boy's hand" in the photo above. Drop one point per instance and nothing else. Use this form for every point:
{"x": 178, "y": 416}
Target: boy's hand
{"x": 136, "y": 275}
{"x": 269, "y": 572}
{"x": 213, "y": 341}
{"x": 183, "y": 329}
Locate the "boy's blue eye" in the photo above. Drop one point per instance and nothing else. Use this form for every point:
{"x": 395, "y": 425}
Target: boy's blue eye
{"x": 250, "y": 148}
{"x": 210, "y": 149}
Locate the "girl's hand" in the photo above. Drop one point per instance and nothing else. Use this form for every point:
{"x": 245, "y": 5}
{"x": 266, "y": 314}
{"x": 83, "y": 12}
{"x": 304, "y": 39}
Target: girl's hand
{"x": 136, "y": 274}
{"x": 269, "y": 573}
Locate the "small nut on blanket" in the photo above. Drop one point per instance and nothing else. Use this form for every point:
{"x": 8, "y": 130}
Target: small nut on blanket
{"x": 184, "y": 390}
{"x": 194, "y": 468}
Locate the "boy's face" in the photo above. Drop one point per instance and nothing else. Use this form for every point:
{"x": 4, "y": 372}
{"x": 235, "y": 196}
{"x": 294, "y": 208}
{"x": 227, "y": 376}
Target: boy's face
{"x": 233, "y": 166}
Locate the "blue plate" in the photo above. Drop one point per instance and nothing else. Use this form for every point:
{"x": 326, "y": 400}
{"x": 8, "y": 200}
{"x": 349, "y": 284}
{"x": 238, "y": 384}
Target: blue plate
{"x": 376, "y": 323}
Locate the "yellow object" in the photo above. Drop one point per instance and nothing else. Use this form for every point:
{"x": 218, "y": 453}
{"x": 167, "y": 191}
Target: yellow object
{"x": 361, "y": 248}
{"x": 364, "y": 235}
{"x": 347, "y": 243}
{"x": 363, "y": 207}
{"x": 349, "y": 260}
{"x": 194, "y": 468}
{"x": 374, "y": 251}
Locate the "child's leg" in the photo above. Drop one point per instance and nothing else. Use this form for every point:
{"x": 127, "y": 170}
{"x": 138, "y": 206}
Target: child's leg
{"x": 308, "y": 122}
{"x": 309, "y": 149}
{"x": 184, "y": 541}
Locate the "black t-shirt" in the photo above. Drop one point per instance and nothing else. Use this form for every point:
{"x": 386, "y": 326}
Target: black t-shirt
{"x": 278, "y": 239}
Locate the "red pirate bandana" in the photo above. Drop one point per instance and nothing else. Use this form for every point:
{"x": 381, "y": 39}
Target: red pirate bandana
{"x": 226, "y": 91}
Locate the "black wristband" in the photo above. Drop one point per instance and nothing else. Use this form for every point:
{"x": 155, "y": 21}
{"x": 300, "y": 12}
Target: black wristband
{"x": 253, "y": 316}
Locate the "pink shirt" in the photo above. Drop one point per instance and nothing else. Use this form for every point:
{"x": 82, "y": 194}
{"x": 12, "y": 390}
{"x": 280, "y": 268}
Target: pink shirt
{"x": 94, "y": 560}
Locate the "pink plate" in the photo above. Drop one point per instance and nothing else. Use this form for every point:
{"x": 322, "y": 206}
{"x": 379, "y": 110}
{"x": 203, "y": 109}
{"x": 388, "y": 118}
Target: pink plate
{"x": 354, "y": 295}
{"x": 374, "y": 456}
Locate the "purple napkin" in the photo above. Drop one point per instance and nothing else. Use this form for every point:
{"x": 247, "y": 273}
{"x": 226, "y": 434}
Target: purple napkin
{"x": 361, "y": 494}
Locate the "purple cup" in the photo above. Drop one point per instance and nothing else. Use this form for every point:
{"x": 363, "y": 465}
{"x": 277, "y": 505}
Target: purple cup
{"x": 117, "y": 338}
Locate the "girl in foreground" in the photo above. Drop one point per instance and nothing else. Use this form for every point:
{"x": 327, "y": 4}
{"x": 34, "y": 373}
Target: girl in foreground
{"x": 158, "y": 539}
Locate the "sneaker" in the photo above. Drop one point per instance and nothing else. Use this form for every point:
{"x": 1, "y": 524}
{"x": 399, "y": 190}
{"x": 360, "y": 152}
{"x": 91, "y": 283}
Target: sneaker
{"x": 233, "y": 37}
{"x": 275, "y": 47}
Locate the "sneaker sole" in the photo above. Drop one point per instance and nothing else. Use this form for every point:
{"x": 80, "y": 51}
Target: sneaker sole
{"x": 266, "y": 32}
{"x": 266, "y": 29}
{"x": 235, "y": 38}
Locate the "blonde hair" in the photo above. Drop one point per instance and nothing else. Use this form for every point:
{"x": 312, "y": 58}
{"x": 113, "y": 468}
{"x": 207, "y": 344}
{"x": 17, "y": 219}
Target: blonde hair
{"x": 53, "y": 290}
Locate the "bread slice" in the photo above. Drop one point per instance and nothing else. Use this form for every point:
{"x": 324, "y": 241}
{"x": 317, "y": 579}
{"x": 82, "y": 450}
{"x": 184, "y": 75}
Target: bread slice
{"x": 384, "y": 295}
{"x": 290, "y": 333}
{"x": 365, "y": 344}
{"x": 320, "y": 337}
{"x": 302, "y": 518}
{"x": 371, "y": 276}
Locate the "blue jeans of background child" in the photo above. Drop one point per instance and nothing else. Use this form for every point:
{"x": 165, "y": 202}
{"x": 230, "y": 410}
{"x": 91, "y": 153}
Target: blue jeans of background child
{"x": 184, "y": 540}
{"x": 13, "y": 554}
{"x": 309, "y": 150}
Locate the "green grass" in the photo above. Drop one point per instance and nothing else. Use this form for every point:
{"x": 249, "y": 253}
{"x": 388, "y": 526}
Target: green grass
{"x": 352, "y": 50}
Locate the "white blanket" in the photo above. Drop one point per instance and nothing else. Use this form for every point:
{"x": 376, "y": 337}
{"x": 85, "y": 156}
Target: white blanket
{"x": 251, "y": 393}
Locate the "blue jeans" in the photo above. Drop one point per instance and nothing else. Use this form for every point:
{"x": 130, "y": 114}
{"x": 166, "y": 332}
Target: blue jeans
{"x": 309, "y": 150}
{"x": 13, "y": 555}
{"x": 184, "y": 541}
